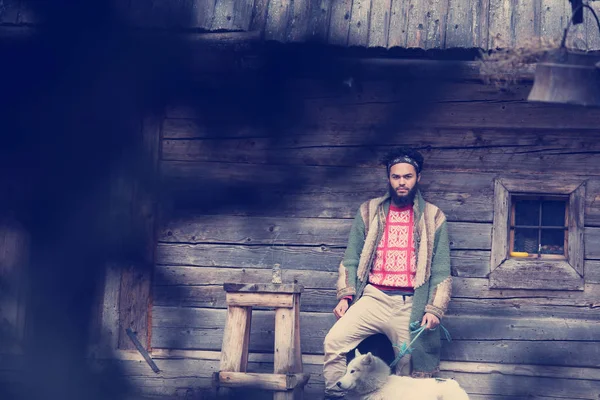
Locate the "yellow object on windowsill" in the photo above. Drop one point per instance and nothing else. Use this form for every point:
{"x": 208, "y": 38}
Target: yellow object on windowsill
{"x": 519, "y": 254}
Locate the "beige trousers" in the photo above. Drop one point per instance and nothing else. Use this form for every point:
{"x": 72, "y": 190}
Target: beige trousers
{"x": 375, "y": 312}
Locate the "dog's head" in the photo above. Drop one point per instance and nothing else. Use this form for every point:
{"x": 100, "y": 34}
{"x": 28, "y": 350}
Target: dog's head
{"x": 363, "y": 370}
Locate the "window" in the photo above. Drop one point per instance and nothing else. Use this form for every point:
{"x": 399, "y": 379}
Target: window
{"x": 539, "y": 227}
{"x": 537, "y": 236}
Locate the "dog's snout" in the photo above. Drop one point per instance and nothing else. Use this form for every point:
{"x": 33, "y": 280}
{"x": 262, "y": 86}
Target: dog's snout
{"x": 339, "y": 384}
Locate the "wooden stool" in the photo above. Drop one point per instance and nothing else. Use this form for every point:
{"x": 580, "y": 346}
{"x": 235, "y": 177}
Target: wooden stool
{"x": 287, "y": 380}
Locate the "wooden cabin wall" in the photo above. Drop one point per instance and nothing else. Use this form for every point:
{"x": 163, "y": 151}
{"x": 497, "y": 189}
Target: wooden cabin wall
{"x": 288, "y": 187}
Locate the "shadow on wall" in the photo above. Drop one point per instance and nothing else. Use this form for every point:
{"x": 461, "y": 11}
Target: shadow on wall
{"x": 72, "y": 96}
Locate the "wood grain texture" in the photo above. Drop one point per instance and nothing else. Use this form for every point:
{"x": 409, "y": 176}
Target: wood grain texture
{"x": 358, "y": 34}
{"x": 561, "y": 353}
{"x": 554, "y": 18}
{"x": 259, "y": 15}
{"x": 137, "y": 211}
{"x": 511, "y": 378}
{"x": 274, "y": 300}
{"x": 298, "y": 24}
{"x": 291, "y": 258}
{"x": 500, "y": 225}
{"x": 536, "y": 274}
{"x": 339, "y": 24}
{"x": 304, "y": 231}
{"x": 462, "y": 19}
{"x": 427, "y": 24}
{"x": 592, "y": 238}
{"x": 591, "y": 27}
{"x": 323, "y": 297}
{"x": 576, "y": 223}
{"x": 592, "y": 271}
{"x": 264, "y": 288}
{"x": 272, "y": 382}
{"x": 481, "y": 23}
{"x": 500, "y": 34}
{"x": 462, "y": 196}
{"x": 278, "y": 18}
{"x": 521, "y": 387}
{"x": 398, "y": 23}
{"x": 318, "y": 22}
{"x": 379, "y": 26}
{"x": 234, "y": 350}
{"x": 224, "y": 15}
{"x": 109, "y": 313}
{"x": 521, "y": 342}
{"x": 526, "y": 21}
{"x": 178, "y": 264}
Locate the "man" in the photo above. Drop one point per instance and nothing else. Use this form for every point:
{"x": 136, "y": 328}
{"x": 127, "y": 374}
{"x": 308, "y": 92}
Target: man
{"x": 396, "y": 270}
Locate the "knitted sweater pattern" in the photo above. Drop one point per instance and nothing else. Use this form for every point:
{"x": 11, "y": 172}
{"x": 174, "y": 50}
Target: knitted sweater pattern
{"x": 433, "y": 280}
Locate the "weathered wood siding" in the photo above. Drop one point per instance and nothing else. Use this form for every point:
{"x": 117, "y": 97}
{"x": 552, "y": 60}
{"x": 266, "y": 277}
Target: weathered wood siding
{"x": 441, "y": 24}
{"x": 315, "y": 168}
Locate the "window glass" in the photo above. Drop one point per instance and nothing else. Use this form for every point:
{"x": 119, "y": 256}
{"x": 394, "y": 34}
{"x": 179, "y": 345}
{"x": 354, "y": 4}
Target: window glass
{"x": 553, "y": 213}
{"x": 527, "y": 212}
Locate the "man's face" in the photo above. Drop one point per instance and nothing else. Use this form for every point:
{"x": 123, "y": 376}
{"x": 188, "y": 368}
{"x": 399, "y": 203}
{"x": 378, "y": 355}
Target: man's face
{"x": 403, "y": 180}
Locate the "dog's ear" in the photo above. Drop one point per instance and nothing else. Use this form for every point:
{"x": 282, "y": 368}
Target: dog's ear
{"x": 368, "y": 359}
{"x": 356, "y": 353}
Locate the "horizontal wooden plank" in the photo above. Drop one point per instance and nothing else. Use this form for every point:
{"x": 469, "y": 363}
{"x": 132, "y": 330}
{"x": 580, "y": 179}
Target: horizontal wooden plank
{"x": 213, "y": 296}
{"x": 323, "y": 300}
{"x": 291, "y": 258}
{"x": 294, "y": 231}
{"x": 496, "y": 339}
{"x": 189, "y": 373}
{"x": 478, "y": 288}
{"x": 317, "y": 192}
{"x": 501, "y": 159}
{"x": 255, "y": 299}
{"x": 455, "y": 366}
{"x": 470, "y": 264}
{"x": 505, "y": 328}
{"x": 465, "y": 263}
{"x": 592, "y": 271}
{"x": 202, "y": 287}
{"x": 525, "y": 387}
{"x": 536, "y": 274}
{"x": 261, "y": 288}
{"x": 376, "y": 89}
{"x": 266, "y": 381}
{"x": 592, "y": 237}
{"x": 465, "y": 196}
{"x": 464, "y": 114}
{"x": 178, "y": 268}
{"x": 184, "y": 377}
{"x": 197, "y": 328}
{"x": 582, "y": 354}
{"x": 390, "y": 90}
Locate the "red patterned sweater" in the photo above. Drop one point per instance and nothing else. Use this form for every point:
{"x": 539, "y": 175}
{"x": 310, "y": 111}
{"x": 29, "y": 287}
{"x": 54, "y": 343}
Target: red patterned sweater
{"x": 395, "y": 263}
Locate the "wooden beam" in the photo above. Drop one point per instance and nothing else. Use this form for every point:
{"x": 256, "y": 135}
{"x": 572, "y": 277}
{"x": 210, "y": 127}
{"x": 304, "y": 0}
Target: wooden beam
{"x": 234, "y": 351}
{"x": 262, "y": 288}
{"x": 265, "y": 381}
{"x": 277, "y": 300}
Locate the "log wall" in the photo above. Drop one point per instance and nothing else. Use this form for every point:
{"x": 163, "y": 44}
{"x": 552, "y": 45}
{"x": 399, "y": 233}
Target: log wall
{"x": 245, "y": 192}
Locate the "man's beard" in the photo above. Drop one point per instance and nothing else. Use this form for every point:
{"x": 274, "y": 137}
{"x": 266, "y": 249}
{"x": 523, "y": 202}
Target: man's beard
{"x": 405, "y": 200}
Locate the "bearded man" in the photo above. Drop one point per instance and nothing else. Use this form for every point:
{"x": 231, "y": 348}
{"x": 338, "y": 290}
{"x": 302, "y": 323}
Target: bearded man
{"x": 395, "y": 271}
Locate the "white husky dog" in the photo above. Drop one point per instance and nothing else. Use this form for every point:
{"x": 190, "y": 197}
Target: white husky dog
{"x": 369, "y": 378}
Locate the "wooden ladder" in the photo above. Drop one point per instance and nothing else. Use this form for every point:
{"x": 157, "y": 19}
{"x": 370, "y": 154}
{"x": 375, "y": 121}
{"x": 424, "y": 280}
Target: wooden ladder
{"x": 287, "y": 380}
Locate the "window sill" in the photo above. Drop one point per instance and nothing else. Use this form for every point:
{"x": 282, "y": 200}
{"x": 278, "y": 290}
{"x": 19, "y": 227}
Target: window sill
{"x": 536, "y": 274}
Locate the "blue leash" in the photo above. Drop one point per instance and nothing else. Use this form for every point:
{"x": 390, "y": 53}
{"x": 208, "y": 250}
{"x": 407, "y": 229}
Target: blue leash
{"x": 406, "y": 349}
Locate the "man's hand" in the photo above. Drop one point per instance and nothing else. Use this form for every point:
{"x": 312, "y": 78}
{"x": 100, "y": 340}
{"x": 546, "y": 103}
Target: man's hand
{"x": 430, "y": 320}
{"x": 341, "y": 308}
